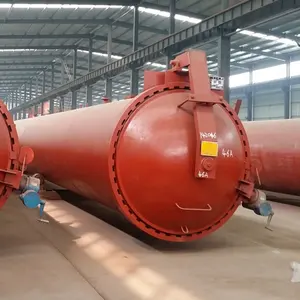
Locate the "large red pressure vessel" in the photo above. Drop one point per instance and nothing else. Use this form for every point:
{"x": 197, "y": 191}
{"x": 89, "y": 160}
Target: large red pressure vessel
{"x": 13, "y": 158}
{"x": 275, "y": 152}
{"x": 174, "y": 160}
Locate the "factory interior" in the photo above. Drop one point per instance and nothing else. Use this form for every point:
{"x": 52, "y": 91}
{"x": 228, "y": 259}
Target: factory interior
{"x": 149, "y": 149}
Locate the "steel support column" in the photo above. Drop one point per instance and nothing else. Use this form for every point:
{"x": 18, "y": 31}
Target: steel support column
{"x": 224, "y": 62}
{"x": 249, "y": 95}
{"x": 36, "y": 110}
{"x": 13, "y": 100}
{"x": 74, "y": 92}
{"x": 134, "y": 81}
{"x": 43, "y": 92}
{"x": 6, "y": 101}
{"x": 18, "y": 103}
{"x": 62, "y": 99}
{"x": 30, "y": 90}
{"x": 172, "y": 10}
{"x": 14, "y": 103}
{"x": 287, "y": 92}
{"x": 62, "y": 103}
{"x": 51, "y": 105}
{"x": 25, "y": 96}
{"x": 37, "y": 88}
{"x": 249, "y": 106}
{"x": 21, "y": 101}
{"x": 108, "y": 81}
{"x": 44, "y": 82}
{"x": 16, "y": 98}
{"x": 89, "y": 90}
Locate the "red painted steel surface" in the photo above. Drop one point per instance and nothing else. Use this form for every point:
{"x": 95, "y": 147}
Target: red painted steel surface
{"x": 275, "y": 152}
{"x": 142, "y": 156}
{"x": 12, "y": 157}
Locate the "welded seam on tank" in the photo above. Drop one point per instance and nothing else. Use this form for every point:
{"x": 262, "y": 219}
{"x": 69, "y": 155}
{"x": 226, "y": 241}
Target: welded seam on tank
{"x": 116, "y": 140}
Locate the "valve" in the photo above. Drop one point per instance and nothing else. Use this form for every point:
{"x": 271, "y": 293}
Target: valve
{"x": 30, "y": 187}
{"x": 259, "y": 204}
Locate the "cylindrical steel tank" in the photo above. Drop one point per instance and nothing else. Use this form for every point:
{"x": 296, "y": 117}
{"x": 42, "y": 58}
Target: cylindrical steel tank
{"x": 13, "y": 158}
{"x": 275, "y": 153}
{"x": 174, "y": 160}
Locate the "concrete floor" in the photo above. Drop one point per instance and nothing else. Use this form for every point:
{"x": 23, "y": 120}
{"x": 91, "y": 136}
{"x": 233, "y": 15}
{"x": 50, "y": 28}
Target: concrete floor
{"x": 78, "y": 256}
{"x": 30, "y": 266}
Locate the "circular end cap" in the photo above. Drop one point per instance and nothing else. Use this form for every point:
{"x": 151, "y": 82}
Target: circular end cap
{"x": 155, "y": 165}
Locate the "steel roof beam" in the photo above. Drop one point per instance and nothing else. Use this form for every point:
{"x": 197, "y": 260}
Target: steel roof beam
{"x": 3, "y": 78}
{"x": 249, "y": 50}
{"x": 15, "y": 75}
{"x": 21, "y": 79}
{"x": 44, "y": 36}
{"x": 245, "y": 14}
{"x": 277, "y": 34}
{"x": 83, "y": 22}
{"x": 39, "y": 56}
{"x": 114, "y": 40}
{"x": 86, "y": 2}
{"x": 64, "y": 36}
{"x": 141, "y": 27}
{"x": 274, "y": 84}
{"x": 96, "y": 51}
{"x": 48, "y": 58}
{"x": 260, "y": 53}
{"x": 10, "y": 85}
{"x": 22, "y": 70}
{"x": 28, "y": 63}
{"x": 232, "y": 64}
{"x": 178, "y": 11}
{"x": 48, "y": 47}
{"x": 60, "y": 55}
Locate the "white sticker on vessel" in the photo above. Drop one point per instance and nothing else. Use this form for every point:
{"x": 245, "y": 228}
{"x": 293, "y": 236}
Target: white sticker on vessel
{"x": 205, "y": 135}
{"x": 227, "y": 153}
{"x": 202, "y": 174}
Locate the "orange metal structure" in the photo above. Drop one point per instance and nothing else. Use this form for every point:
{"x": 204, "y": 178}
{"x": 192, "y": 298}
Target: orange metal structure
{"x": 275, "y": 153}
{"x": 174, "y": 160}
{"x": 13, "y": 158}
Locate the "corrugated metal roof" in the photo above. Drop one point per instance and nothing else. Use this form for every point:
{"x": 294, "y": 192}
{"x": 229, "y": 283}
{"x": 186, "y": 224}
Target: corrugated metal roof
{"x": 266, "y": 48}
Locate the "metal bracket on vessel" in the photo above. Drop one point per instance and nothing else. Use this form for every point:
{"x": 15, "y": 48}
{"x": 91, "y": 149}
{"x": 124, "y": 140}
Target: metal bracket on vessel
{"x": 203, "y": 100}
{"x": 11, "y": 178}
{"x": 256, "y": 201}
{"x": 237, "y": 106}
{"x": 246, "y": 189}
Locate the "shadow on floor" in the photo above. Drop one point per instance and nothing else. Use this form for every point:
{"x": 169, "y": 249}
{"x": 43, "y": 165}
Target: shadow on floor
{"x": 252, "y": 230}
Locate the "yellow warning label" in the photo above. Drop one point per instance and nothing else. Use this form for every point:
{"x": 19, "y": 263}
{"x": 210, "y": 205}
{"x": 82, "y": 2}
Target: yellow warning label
{"x": 209, "y": 148}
